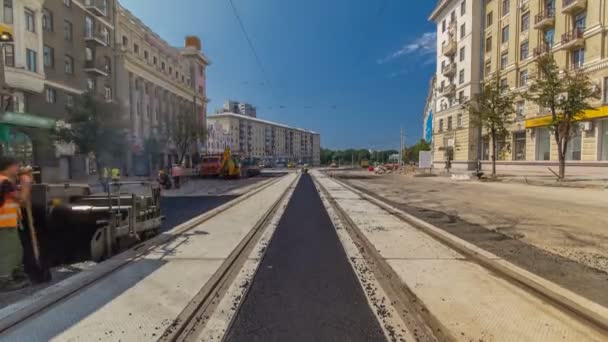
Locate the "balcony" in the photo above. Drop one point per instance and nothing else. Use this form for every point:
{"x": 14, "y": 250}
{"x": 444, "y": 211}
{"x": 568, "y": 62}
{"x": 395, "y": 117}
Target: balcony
{"x": 545, "y": 19}
{"x": 449, "y": 70}
{"x": 96, "y": 68}
{"x": 573, "y": 39}
{"x": 572, "y": 6}
{"x": 450, "y": 48}
{"x": 448, "y": 90}
{"x": 542, "y": 49}
{"x": 96, "y": 37}
{"x": 97, "y": 7}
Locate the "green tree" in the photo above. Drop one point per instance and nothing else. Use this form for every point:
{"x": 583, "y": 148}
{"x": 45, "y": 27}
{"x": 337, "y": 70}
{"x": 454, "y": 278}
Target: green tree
{"x": 412, "y": 154}
{"x": 185, "y": 132}
{"x": 565, "y": 94}
{"x": 492, "y": 110}
{"x": 96, "y": 127}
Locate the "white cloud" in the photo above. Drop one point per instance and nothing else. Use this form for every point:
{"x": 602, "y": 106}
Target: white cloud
{"x": 425, "y": 44}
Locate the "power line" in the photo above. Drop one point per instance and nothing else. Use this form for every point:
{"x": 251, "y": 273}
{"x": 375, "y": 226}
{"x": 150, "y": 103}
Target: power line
{"x": 255, "y": 54}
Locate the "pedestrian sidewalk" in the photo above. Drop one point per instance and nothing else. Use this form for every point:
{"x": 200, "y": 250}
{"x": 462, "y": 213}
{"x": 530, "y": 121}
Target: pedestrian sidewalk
{"x": 471, "y": 302}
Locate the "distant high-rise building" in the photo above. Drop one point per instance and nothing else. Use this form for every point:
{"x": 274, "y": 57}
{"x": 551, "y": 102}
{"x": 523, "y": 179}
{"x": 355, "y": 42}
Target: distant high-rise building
{"x": 239, "y": 108}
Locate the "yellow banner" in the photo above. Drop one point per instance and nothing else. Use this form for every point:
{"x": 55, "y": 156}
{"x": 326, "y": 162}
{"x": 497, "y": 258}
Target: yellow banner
{"x": 590, "y": 114}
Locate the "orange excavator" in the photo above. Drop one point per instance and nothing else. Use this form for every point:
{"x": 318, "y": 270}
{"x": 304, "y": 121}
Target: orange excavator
{"x": 230, "y": 167}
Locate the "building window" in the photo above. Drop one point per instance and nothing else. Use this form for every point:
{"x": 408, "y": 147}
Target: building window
{"x": 504, "y": 85}
{"x": 146, "y": 55}
{"x": 504, "y": 60}
{"x": 521, "y": 108}
{"x": 461, "y": 77}
{"x": 136, "y": 48}
{"x": 453, "y": 16}
{"x": 69, "y": 100}
{"x": 506, "y": 7}
{"x": 47, "y": 20}
{"x": 489, "y": 18}
{"x": 505, "y": 34}
{"x": 440, "y": 125}
{"x": 485, "y": 148}
{"x": 488, "y": 68}
{"x": 154, "y": 60}
{"x": 105, "y": 33}
{"x": 9, "y": 55}
{"x": 69, "y": 65}
{"x": 488, "y": 44}
{"x": 578, "y": 58}
{"x": 519, "y": 143}
{"x": 67, "y": 3}
{"x": 604, "y": 139}
{"x": 201, "y": 70}
{"x": 549, "y": 38}
{"x": 462, "y": 53}
{"x": 605, "y": 89}
{"x": 523, "y": 78}
{"x": 449, "y": 123}
{"x": 580, "y": 21}
{"x": 463, "y": 30}
{"x": 525, "y": 22}
{"x": 573, "y": 152}
{"x": 67, "y": 31}
{"x": 51, "y": 95}
{"x": 459, "y": 120}
{"x": 524, "y": 50}
{"x": 49, "y": 56}
{"x": 31, "y": 60}
{"x": 8, "y": 11}
{"x": 88, "y": 54}
{"x": 543, "y": 144}
{"x": 30, "y": 20}
{"x": 107, "y": 64}
{"x": 443, "y": 26}
{"x": 90, "y": 84}
{"x": 125, "y": 41}
{"x": 162, "y": 65}
{"x": 108, "y": 93}
{"x": 463, "y": 8}
{"x": 171, "y": 71}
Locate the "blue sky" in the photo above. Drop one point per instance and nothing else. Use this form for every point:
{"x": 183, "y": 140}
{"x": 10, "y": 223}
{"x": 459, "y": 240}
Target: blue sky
{"x": 353, "y": 70}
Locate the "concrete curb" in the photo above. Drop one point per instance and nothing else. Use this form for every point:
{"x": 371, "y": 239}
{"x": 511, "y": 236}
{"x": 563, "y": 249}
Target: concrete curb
{"x": 17, "y": 312}
{"x": 589, "y": 310}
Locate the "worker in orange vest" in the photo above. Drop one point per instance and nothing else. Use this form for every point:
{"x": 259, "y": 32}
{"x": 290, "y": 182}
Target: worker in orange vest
{"x": 12, "y": 276}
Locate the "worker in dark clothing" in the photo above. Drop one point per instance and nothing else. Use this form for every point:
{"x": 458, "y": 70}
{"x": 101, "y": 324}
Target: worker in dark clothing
{"x": 12, "y": 276}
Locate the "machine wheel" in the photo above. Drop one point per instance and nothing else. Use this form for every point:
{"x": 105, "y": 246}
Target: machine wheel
{"x": 98, "y": 245}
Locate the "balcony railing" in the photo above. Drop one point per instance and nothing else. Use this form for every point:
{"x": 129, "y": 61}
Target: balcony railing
{"x": 542, "y": 49}
{"x": 545, "y": 19}
{"x": 98, "y": 7}
{"x": 96, "y": 37}
{"x": 96, "y": 68}
{"x": 450, "y": 48}
{"x": 571, "y": 6}
{"x": 449, "y": 70}
{"x": 573, "y": 39}
{"x": 448, "y": 90}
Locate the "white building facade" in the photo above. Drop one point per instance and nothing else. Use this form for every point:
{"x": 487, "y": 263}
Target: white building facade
{"x": 458, "y": 75}
{"x": 253, "y": 137}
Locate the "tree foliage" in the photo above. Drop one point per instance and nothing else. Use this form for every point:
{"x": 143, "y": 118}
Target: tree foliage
{"x": 492, "y": 110}
{"x": 566, "y": 95}
{"x": 185, "y": 132}
{"x": 94, "y": 126}
{"x": 412, "y": 153}
{"x": 346, "y": 157}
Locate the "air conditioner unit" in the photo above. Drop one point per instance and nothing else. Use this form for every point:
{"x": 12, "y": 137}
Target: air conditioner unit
{"x": 586, "y": 126}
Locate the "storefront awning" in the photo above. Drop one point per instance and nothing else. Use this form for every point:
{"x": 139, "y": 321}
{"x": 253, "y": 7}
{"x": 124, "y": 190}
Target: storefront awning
{"x": 26, "y": 120}
{"x": 590, "y": 114}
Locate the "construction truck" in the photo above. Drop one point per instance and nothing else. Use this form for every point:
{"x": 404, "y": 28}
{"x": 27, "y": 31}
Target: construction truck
{"x": 364, "y": 163}
{"x": 230, "y": 167}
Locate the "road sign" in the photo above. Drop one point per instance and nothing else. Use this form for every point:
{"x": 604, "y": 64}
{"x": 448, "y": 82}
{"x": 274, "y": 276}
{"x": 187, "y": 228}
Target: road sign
{"x": 425, "y": 160}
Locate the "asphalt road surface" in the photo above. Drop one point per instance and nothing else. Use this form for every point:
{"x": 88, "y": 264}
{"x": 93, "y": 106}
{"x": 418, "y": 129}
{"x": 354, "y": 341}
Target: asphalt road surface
{"x": 305, "y": 288}
{"x": 178, "y": 210}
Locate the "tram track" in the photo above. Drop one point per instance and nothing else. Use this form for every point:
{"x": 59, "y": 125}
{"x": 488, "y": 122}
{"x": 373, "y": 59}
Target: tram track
{"x": 17, "y": 313}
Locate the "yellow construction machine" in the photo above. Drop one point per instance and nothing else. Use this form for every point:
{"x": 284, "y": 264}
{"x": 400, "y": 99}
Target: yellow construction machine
{"x": 230, "y": 166}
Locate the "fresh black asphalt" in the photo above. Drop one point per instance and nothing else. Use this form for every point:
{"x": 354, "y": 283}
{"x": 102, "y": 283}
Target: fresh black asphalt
{"x": 305, "y": 288}
{"x": 178, "y": 210}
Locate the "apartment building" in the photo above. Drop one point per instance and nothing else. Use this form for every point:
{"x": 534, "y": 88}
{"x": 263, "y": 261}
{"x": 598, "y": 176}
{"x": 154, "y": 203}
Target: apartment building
{"x": 515, "y": 34}
{"x": 156, "y": 82}
{"x": 238, "y": 108}
{"x": 254, "y": 137}
{"x": 61, "y": 49}
{"x": 458, "y": 76}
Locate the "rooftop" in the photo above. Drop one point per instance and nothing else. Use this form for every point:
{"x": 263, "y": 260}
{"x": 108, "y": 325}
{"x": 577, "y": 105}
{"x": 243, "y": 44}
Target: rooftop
{"x": 244, "y": 117}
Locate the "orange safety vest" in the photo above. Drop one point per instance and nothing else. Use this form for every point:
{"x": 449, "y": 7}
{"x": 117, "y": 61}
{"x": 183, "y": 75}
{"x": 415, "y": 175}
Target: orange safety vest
{"x": 10, "y": 211}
